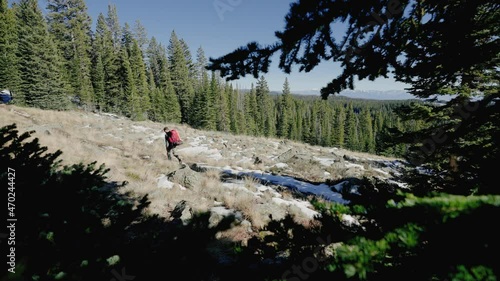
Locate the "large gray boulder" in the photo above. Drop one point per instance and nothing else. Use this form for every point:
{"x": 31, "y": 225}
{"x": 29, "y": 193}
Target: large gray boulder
{"x": 185, "y": 177}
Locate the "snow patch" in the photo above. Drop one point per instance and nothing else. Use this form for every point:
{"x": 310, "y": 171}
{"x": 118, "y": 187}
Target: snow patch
{"x": 304, "y": 206}
{"x": 324, "y": 161}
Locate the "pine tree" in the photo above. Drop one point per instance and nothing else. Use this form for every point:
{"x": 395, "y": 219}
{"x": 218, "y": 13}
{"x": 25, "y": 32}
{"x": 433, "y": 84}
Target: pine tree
{"x": 181, "y": 80}
{"x": 251, "y": 111}
{"x": 141, "y": 36}
{"x": 307, "y": 132}
{"x": 9, "y": 72}
{"x": 351, "y": 133}
{"x": 333, "y": 128}
{"x": 202, "y": 85}
{"x": 297, "y": 127}
{"x": 261, "y": 91}
{"x": 192, "y": 70}
{"x": 113, "y": 24}
{"x": 285, "y": 112}
{"x": 131, "y": 104}
{"x": 127, "y": 38}
{"x": 160, "y": 72}
{"x": 200, "y": 71}
{"x": 153, "y": 59}
{"x": 234, "y": 127}
{"x": 40, "y": 63}
{"x": 210, "y": 112}
{"x": 367, "y": 132}
{"x": 140, "y": 79}
{"x": 321, "y": 124}
{"x": 326, "y": 124}
{"x": 378, "y": 124}
{"x": 340, "y": 127}
{"x": 98, "y": 77}
{"x": 156, "y": 112}
{"x": 314, "y": 135}
{"x": 110, "y": 58}
{"x": 240, "y": 115}
{"x": 222, "y": 110}
{"x": 173, "y": 108}
{"x": 270, "y": 121}
{"x": 265, "y": 118}
{"x": 69, "y": 23}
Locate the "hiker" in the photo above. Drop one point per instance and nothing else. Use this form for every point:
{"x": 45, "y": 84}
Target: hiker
{"x": 172, "y": 140}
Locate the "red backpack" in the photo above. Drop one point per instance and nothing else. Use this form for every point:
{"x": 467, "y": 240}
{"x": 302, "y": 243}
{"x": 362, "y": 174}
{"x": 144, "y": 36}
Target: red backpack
{"x": 174, "y": 137}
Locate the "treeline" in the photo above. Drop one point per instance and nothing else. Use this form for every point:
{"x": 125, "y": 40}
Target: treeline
{"x": 58, "y": 61}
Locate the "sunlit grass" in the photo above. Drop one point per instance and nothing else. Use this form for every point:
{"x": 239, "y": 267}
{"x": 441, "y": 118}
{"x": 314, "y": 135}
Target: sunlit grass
{"x": 135, "y": 154}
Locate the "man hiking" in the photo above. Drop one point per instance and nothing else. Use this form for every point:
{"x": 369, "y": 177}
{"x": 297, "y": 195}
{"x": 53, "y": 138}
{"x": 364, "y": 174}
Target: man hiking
{"x": 172, "y": 140}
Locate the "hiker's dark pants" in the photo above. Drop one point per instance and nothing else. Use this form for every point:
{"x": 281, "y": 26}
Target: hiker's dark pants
{"x": 170, "y": 150}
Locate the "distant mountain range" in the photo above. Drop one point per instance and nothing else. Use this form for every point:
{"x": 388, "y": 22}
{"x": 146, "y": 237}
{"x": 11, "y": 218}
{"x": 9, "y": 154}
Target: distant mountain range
{"x": 363, "y": 94}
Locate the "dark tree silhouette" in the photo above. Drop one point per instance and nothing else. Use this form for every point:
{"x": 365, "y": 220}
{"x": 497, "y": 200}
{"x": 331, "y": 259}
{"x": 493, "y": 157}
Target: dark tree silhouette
{"x": 436, "y": 47}
{"x": 407, "y": 38}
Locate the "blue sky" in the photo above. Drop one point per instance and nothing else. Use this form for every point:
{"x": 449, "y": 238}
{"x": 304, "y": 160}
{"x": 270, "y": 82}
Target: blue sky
{"x": 219, "y": 27}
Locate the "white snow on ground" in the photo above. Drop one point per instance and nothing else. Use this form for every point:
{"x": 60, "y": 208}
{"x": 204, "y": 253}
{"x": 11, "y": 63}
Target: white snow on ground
{"x": 304, "y": 206}
{"x": 222, "y": 211}
{"x": 400, "y": 184}
{"x": 262, "y": 188}
{"x": 381, "y": 171}
{"x": 392, "y": 164}
{"x": 163, "y": 182}
{"x": 324, "y": 161}
{"x": 350, "y": 220}
{"x": 244, "y": 160}
{"x": 240, "y": 185}
{"x": 352, "y": 165}
{"x": 321, "y": 190}
{"x": 280, "y": 165}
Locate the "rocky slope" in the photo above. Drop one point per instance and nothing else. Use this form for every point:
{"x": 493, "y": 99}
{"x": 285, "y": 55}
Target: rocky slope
{"x": 254, "y": 178}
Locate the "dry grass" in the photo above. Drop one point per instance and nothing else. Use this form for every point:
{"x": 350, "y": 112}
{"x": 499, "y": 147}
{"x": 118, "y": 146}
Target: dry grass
{"x": 87, "y": 137}
{"x": 298, "y": 215}
{"x": 268, "y": 195}
{"x": 213, "y": 174}
{"x": 210, "y": 188}
{"x": 258, "y": 219}
{"x": 251, "y": 183}
{"x": 135, "y": 152}
{"x": 247, "y": 203}
{"x": 239, "y": 233}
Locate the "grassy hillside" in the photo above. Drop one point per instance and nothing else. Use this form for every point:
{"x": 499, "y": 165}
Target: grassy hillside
{"x": 135, "y": 153}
